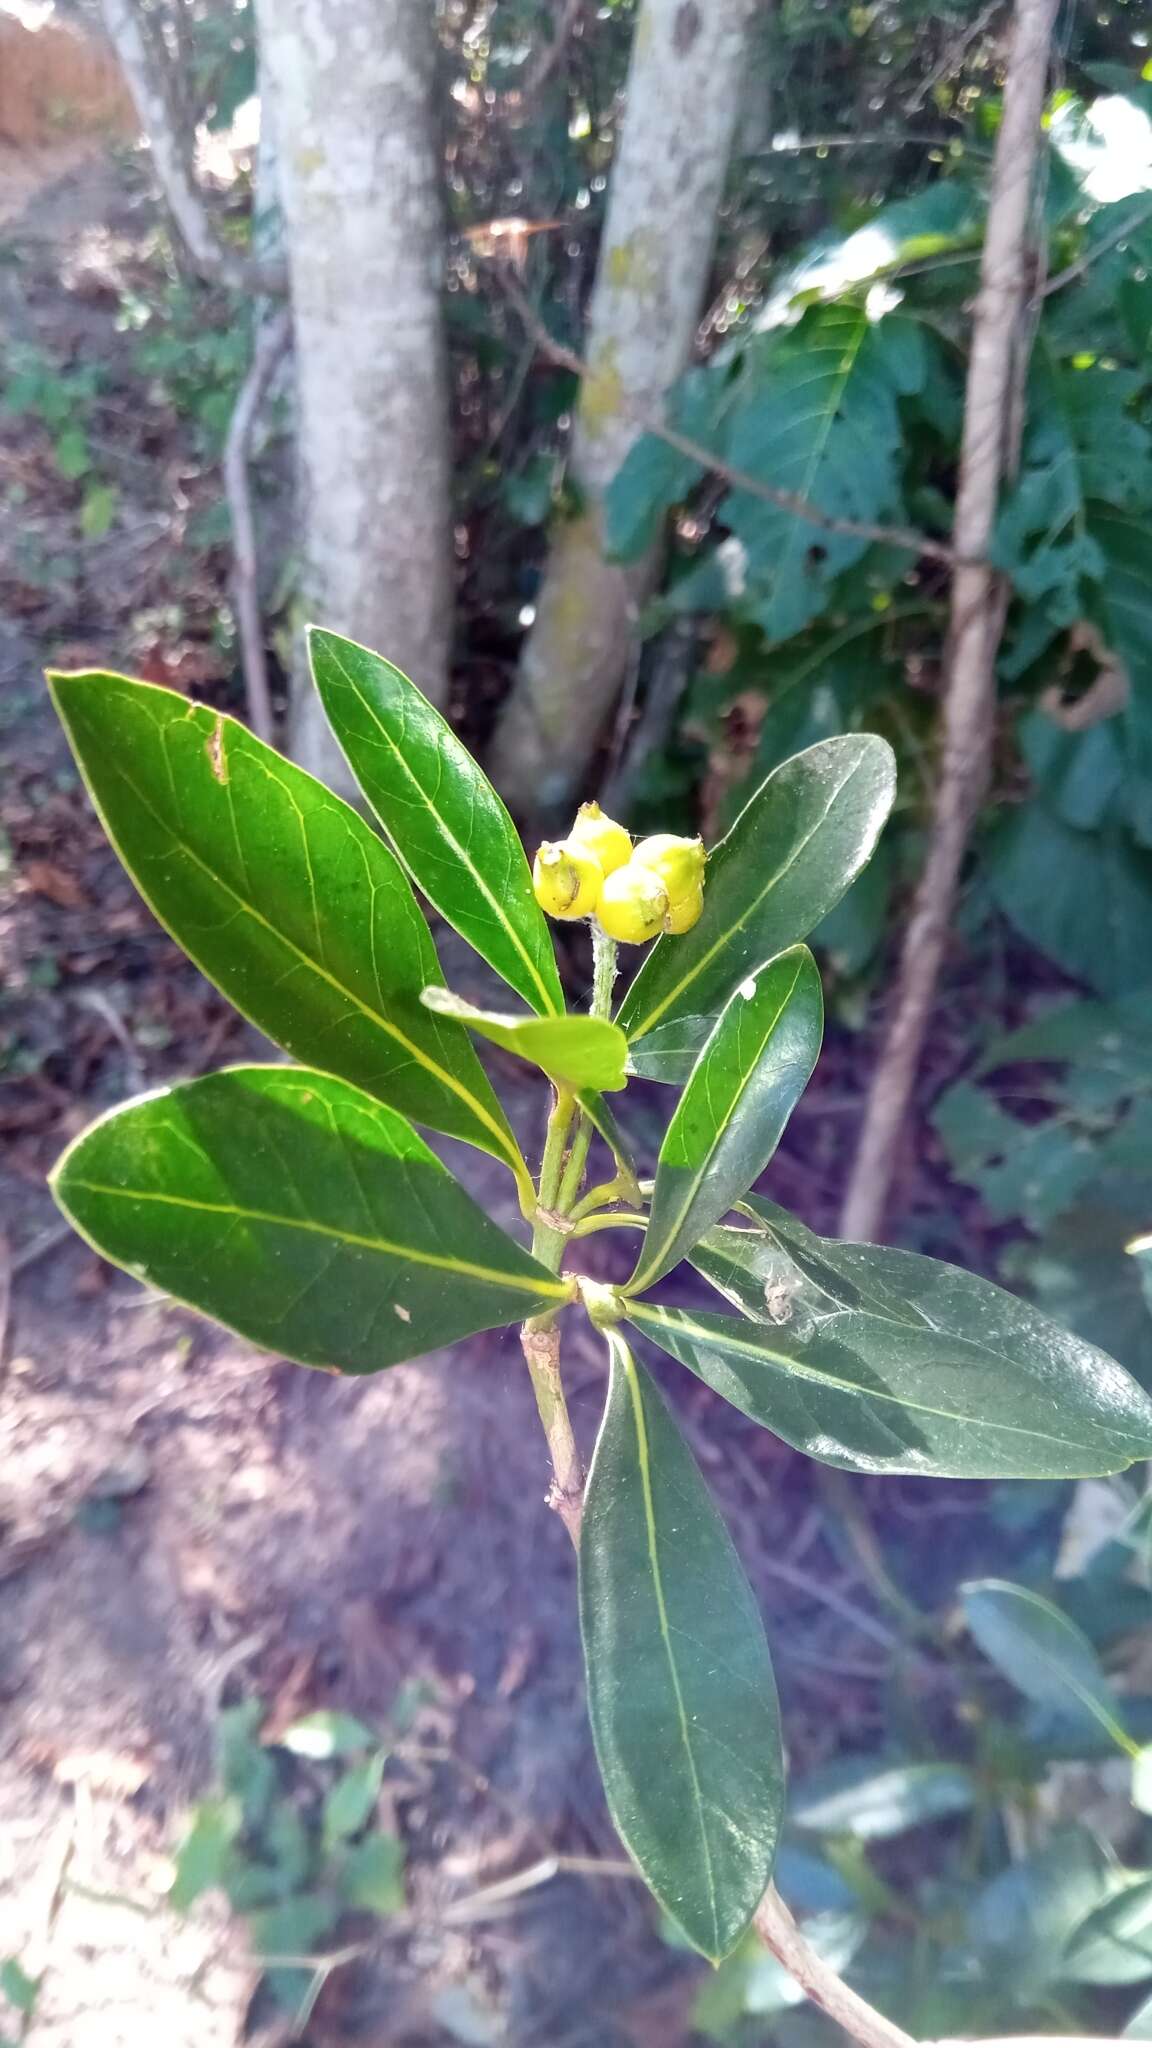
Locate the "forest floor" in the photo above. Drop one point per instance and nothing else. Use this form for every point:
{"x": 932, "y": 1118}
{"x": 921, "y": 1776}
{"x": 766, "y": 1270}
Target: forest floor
{"x": 185, "y": 1523}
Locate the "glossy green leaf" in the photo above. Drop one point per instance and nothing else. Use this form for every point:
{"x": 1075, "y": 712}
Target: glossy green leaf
{"x": 1043, "y": 1654}
{"x": 584, "y": 1052}
{"x": 441, "y": 813}
{"x": 680, "y": 1686}
{"x": 298, "y": 1211}
{"x": 884, "y": 1361}
{"x": 1114, "y": 1944}
{"x": 282, "y": 895}
{"x": 790, "y": 856}
{"x": 874, "y": 1802}
{"x": 373, "y": 1875}
{"x": 749, "y": 1077}
{"x": 352, "y": 1800}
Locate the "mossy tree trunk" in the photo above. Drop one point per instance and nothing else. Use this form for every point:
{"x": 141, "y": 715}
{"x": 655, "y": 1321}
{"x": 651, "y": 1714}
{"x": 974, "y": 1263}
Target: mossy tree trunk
{"x": 684, "y": 95}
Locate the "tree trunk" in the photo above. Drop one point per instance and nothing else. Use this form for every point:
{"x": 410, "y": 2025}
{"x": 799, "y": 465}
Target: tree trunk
{"x": 996, "y": 370}
{"x": 352, "y": 85}
{"x": 684, "y": 94}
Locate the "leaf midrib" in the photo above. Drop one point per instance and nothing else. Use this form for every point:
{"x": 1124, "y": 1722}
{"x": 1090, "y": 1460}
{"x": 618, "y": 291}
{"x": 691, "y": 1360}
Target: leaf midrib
{"x": 632, "y": 1383}
{"x": 522, "y": 1283}
{"x": 737, "y": 924}
{"x": 647, "y": 1274}
{"x": 546, "y": 994}
{"x": 249, "y": 909}
{"x": 762, "y": 1353}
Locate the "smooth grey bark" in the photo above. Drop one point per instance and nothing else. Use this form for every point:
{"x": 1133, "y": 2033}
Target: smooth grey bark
{"x": 684, "y": 95}
{"x": 351, "y": 84}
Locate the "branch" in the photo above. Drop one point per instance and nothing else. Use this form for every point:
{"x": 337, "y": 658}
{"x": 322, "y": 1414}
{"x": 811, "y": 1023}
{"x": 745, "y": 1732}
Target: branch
{"x": 212, "y": 257}
{"x": 953, "y": 56}
{"x": 272, "y": 337}
{"x": 978, "y": 602}
{"x": 779, "y": 1933}
{"x": 1100, "y": 248}
{"x": 695, "y": 451}
{"x": 541, "y": 71}
{"x": 540, "y": 1341}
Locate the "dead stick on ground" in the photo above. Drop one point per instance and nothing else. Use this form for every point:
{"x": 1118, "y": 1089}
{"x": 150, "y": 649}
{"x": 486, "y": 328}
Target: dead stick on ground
{"x": 976, "y": 618}
{"x": 272, "y": 338}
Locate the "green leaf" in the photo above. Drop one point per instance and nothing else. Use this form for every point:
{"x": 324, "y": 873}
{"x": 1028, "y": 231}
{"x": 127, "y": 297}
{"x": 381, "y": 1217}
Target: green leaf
{"x": 325, "y": 1734}
{"x": 729, "y": 1120}
{"x": 372, "y": 1878}
{"x": 442, "y": 814}
{"x": 680, "y": 1686}
{"x": 1020, "y": 1924}
{"x": 583, "y": 1052}
{"x": 816, "y": 412}
{"x": 282, "y": 895}
{"x": 352, "y": 1801}
{"x": 1084, "y": 898}
{"x": 603, "y": 1120}
{"x": 1139, "y": 2027}
{"x": 1114, "y": 1944}
{"x": 301, "y": 1213}
{"x": 874, "y": 1802}
{"x": 793, "y": 851}
{"x": 204, "y": 1854}
{"x": 17, "y": 1986}
{"x": 884, "y": 1361}
{"x": 1039, "y": 1651}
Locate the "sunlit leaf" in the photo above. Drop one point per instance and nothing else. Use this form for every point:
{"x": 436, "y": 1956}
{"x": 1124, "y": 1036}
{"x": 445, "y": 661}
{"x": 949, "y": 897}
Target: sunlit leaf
{"x": 300, "y": 1212}
{"x": 728, "y": 1122}
{"x": 1039, "y": 1651}
{"x": 441, "y": 813}
{"x": 584, "y": 1052}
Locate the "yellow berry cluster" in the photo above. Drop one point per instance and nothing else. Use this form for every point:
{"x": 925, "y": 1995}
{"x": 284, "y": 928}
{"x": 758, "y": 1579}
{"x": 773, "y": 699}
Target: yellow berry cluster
{"x": 632, "y": 891}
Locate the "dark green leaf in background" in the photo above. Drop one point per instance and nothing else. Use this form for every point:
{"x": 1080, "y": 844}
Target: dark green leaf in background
{"x": 583, "y": 1052}
{"x": 301, "y": 1213}
{"x": 793, "y": 851}
{"x": 680, "y": 1686}
{"x": 1043, "y": 1654}
{"x": 441, "y": 813}
{"x": 282, "y": 896}
{"x": 1084, "y": 898}
{"x": 729, "y": 1120}
{"x": 352, "y": 1800}
{"x": 884, "y": 1361}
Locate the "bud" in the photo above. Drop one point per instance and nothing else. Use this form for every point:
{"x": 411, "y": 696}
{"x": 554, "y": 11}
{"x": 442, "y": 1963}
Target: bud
{"x": 566, "y": 879}
{"x": 633, "y": 904}
{"x": 683, "y": 915}
{"x": 678, "y": 862}
{"x": 606, "y": 841}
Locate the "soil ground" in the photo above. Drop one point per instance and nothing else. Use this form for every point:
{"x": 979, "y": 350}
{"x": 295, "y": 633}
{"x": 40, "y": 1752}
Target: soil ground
{"x": 184, "y": 1522}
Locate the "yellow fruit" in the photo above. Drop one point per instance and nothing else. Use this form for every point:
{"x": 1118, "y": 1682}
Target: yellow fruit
{"x": 678, "y": 862}
{"x": 683, "y": 915}
{"x": 566, "y": 879}
{"x": 603, "y": 838}
{"x": 633, "y": 904}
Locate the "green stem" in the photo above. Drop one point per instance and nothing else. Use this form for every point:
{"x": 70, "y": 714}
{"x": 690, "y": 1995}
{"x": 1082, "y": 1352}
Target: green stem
{"x": 614, "y": 1219}
{"x": 547, "y": 1241}
{"x": 618, "y": 1190}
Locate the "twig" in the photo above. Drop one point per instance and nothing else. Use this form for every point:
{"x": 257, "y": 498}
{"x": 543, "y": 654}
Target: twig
{"x": 953, "y": 56}
{"x": 779, "y": 1933}
{"x": 272, "y": 336}
{"x": 44, "y": 1242}
{"x": 1109, "y": 241}
{"x": 976, "y": 617}
{"x": 540, "y": 1341}
{"x": 212, "y": 256}
{"x": 545, "y": 64}
{"x": 738, "y": 479}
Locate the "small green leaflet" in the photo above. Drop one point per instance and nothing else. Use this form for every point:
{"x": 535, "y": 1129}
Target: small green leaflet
{"x": 441, "y": 813}
{"x": 282, "y": 896}
{"x": 680, "y": 1686}
{"x": 729, "y": 1120}
{"x": 884, "y": 1361}
{"x": 300, "y": 1212}
{"x": 793, "y": 851}
{"x": 581, "y": 1052}
{"x": 1043, "y": 1654}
